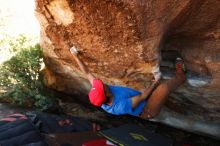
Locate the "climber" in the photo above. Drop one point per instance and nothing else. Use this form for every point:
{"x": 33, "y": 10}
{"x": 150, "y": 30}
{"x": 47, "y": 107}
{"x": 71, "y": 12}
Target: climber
{"x": 120, "y": 100}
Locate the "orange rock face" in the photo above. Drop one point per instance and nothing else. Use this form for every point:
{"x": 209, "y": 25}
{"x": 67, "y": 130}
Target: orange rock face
{"x": 121, "y": 40}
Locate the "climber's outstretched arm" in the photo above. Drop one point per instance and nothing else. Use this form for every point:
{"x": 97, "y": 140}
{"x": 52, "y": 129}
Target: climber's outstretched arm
{"x": 136, "y": 100}
{"x": 82, "y": 66}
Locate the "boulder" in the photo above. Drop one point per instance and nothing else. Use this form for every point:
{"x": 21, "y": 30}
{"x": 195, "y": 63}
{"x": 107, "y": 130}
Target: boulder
{"x": 120, "y": 41}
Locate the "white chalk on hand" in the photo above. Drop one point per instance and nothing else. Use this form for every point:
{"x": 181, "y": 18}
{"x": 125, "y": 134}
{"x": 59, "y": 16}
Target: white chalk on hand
{"x": 156, "y": 72}
{"x": 74, "y": 50}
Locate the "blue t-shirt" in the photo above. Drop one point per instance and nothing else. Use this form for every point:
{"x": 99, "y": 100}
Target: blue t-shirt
{"x": 122, "y": 103}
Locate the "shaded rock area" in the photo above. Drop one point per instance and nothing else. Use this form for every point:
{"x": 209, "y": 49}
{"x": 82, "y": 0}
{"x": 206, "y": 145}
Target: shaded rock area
{"x": 122, "y": 40}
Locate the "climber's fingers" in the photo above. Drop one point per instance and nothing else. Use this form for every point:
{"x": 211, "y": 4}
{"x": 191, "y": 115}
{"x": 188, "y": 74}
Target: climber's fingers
{"x": 74, "y": 50}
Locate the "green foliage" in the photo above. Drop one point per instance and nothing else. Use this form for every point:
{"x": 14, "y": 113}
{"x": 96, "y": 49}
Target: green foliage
{"x": 21, "y": 78}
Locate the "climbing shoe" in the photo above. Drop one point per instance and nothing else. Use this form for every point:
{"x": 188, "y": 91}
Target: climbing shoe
{"x": 180, "y": 68}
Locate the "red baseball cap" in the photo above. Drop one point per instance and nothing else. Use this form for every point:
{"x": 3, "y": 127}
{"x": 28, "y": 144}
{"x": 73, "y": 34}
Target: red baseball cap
{"x": 97, "y": 95}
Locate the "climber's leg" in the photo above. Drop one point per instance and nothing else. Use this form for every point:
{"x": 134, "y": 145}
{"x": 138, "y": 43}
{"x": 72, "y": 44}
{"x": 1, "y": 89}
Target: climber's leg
{"x": 161, "y": 93}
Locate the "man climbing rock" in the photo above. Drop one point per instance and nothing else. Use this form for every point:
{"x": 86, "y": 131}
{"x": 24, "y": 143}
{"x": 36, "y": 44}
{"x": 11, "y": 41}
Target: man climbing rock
{"x": 120, "y": 100}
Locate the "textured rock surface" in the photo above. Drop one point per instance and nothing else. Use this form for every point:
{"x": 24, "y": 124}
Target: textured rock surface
{"x": 121, "y": 40}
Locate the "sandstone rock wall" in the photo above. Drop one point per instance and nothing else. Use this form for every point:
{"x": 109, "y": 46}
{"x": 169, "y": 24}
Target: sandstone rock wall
{"x": 121, "y": 40}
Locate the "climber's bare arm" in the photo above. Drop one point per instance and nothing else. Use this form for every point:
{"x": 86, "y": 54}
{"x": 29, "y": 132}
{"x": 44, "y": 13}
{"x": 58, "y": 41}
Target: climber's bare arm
{"x": 82, "y": 66}
{"x": 136, "y": 100}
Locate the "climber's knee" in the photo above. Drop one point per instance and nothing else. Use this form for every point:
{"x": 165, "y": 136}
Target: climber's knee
{"x": 149, "y": 113}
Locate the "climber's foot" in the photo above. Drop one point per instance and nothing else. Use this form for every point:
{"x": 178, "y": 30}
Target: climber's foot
{"x": 180, "y": 68}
